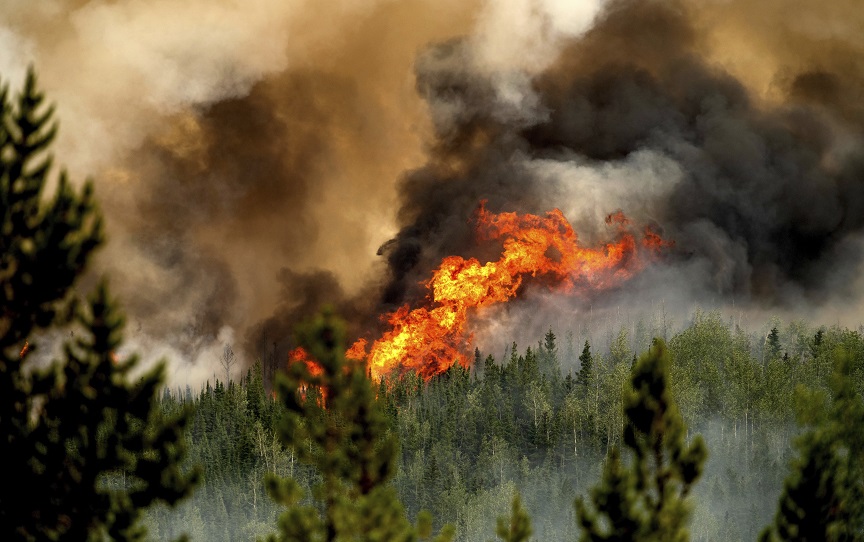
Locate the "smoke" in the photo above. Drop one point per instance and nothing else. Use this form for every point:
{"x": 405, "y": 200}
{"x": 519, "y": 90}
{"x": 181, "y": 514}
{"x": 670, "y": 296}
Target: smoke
{"x": 233, "y": 146}
{"x": 253, "y": 159}
{"x": 758, "y": 183}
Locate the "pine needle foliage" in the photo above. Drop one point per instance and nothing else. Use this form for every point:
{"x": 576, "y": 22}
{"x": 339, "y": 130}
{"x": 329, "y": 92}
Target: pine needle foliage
{"x": 518, "y": 527}
{"x": 334, "y": 423}
{"x": 647, "y": 499}
{"x": 823, "y": 495}
{"x": 88, "y": 447}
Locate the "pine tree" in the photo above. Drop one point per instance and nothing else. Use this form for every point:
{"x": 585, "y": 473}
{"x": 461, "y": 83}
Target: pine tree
{"x": 549, "y": 364}
{"x": 772, "y": 346}
{"x": 816, "y": 343}
{"x": 586, "y": 368}
{"x": 647, "y": 500}
{"x": 823, "y": 497}
{"x": 344, "y": 434}
{"x": 518, "y": 527}
{"x": 89, "y": 450}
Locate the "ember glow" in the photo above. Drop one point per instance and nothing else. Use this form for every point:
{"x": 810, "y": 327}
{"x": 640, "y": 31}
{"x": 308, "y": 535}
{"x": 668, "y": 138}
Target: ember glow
{"x": 299, "y": 355}
{"x": 429, "y": 339}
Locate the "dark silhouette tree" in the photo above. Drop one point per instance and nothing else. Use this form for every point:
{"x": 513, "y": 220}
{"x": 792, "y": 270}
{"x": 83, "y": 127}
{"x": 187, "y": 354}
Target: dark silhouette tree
{"x": 88, "y": 449}
{"x": 586, "y": 367}
{"x": 772, "y": 344}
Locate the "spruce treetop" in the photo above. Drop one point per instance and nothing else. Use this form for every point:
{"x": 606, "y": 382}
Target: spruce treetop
{"x": 89, "y": 448}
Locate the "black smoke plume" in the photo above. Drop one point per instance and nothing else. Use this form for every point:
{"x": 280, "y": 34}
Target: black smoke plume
{"x": 769, "y": 197}
{"x": 251, "y": 162}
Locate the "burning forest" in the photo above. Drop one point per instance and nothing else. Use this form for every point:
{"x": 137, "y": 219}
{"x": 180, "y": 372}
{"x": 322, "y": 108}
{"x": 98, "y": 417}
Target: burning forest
{"x": 428, "y": 340}
{"x": 455, "y": 179}
{"x": 253, "y": 186}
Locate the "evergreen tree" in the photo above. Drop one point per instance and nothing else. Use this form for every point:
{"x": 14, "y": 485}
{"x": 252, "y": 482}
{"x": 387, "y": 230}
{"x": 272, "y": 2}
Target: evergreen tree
{"x": 341, "y": 431}
{"x": 518, "y": 527}
{"x": 816, "y": 343}
{"x": 549, "y": 355}
{"x": 646, "y": 501}
{"x": 586, "y": 368}
{"x": 89, "y": 450}
{"x": 772, "y": 344}
{"x": 823, "y": 496}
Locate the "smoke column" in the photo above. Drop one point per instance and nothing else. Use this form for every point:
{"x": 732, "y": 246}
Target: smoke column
{"x": 257, "y": 161}
{"x": 754, "y": 168}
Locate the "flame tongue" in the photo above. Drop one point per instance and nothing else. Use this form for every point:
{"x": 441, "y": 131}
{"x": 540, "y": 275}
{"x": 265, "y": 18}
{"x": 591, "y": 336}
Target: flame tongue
{"x": 429, "y": 340}
{"x": 299, "y": 355}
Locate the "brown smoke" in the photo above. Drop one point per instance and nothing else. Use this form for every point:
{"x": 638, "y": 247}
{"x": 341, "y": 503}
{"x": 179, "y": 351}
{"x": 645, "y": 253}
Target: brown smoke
{"x": 233, "y": 144}
{"x": 252, "y": 158}
{"x": 754, "y": 167}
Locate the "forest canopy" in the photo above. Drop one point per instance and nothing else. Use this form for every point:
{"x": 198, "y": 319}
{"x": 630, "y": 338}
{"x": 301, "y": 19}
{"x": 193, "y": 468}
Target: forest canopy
{"x": 668, "y": 439}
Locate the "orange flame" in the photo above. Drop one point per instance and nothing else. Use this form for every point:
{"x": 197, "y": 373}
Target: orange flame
{"x": 428, "y": 340}
{"x": 357, "y": 352}
{"x": 299, "y": 355}
{"x": 24, "y": 350}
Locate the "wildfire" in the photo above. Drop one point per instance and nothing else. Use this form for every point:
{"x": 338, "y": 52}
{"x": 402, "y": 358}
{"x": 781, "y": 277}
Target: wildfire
{"x": 428, "y": 340}
{"x": 299, "y": 355}
{"x": 357, "y": 352}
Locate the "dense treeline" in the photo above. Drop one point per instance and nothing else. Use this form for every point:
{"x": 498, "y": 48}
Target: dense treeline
{"x": 542, "y": 420}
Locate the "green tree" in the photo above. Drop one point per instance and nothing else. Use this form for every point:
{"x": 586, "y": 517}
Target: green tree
{"x": 518, "y": 527}
{"x": 335, "y": 424}
{"x": 823, "y": 496}
{"x": 772, "y": 344}
{"x": 648, "y": 500}
{"x": 549, "y": 363}
{"x": 586, "y": 367}
{"x": 89, "y": 449}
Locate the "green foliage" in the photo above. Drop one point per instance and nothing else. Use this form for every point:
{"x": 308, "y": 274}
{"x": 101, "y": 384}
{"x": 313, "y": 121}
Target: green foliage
{"x": 467, "y": 443}
{"x": 772, "y": 344}
{"x": 89, "y": 450}
{"x": 586, "y": 369}
{"x": 334, "y": 423}
{"x": 646, "y": 501}
{"x": 548, "y": 353}
{"x": 823, "y": 496}
{"x": 518, "y": 527}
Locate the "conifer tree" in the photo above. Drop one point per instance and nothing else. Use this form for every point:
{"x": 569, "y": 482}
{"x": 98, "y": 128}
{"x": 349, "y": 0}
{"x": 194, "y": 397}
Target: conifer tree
{"x": 88, "y": 449}
{"x": 586, "y": 369}
{"x": 518, "y": 527}
{"x": 823, "y": 496}
{"x": 772, "y": 344}
{"x": 647, "y": 500}
{"x": 549, "y": 364}
{"x": 341, "y": 431}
